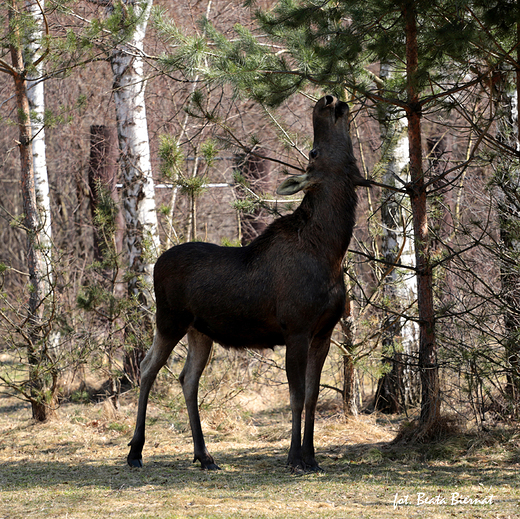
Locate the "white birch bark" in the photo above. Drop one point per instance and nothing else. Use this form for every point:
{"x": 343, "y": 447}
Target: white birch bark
{"x": 397, "y": 226}
{"x": 508, "y": 183}
{"x": 142, "y": 237}
{"x": 507, "y": 133}
{"x": 400, "y": 285}
{"x": 36, "y": 97}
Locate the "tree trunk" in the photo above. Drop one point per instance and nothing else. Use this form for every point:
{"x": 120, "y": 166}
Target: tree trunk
{"x": 102, "y": 175}
{"x": 507, "y": 180}
{"x": 142, "y": 238}
{"x": 37, "y": 354}
{"x": 36, "y": 97}
{"x": 257, "y": 175}
{"x": 138, "y": 187}
{"x": 397, "y": 388}
{"x": 351, "y": 393}
{"x": 428, "y": 367}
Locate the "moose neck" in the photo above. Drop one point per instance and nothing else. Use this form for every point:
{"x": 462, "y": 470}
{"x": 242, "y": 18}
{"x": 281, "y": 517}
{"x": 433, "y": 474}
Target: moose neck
{"x": 329, "y": 214}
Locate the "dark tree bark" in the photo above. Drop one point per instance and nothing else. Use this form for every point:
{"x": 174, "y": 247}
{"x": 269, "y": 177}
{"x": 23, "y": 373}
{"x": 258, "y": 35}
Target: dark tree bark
{"x": 428, "y": 367}
{"x": 102, "y": 174}
{"x": 257, "y": 173}
{"x": 351, "y": 396}
{"x": 37, "y": 354}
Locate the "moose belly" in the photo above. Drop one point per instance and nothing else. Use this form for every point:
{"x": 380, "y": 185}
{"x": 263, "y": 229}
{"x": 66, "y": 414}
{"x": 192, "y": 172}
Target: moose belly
{"x": 234, "y": 332}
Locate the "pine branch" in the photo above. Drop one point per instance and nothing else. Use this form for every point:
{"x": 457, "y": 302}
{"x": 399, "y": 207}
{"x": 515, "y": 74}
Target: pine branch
{"x": 8, "y": 69}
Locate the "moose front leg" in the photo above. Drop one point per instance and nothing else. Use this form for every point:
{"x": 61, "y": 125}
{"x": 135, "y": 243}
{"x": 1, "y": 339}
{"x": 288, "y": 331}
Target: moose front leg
{"x": 315, "y": 360}
{"x": 295, "y": 365}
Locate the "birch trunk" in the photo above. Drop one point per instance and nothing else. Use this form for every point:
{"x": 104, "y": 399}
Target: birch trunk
{"x": 508, "y": 182}
{"x": 138, "y": 196}
{"x": 36, "y": 97}
{"x": 142, "y": 238}
{"x": 397, "y": 388}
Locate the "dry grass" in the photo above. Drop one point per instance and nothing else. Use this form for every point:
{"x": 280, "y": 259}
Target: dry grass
{"x": 74, "y": 466}
{"x": 441, "y": 429}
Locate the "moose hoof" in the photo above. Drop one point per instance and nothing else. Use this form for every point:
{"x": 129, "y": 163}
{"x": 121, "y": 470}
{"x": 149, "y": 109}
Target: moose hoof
{"x": 135, "y": 463}
{"x": 304, "y": 468}
{"x": 315, "y": 469}
{"x": 211, "y": 466}
{"x": 206, "y": 461}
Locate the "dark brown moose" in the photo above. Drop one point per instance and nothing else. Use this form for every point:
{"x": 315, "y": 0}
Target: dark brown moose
{"x": 285, "y": 288}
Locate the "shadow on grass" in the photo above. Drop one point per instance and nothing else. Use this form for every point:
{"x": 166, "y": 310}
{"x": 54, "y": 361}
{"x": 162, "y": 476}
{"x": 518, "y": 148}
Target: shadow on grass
{"x": 6, "y": 409}
{"x": 263, "y": 467}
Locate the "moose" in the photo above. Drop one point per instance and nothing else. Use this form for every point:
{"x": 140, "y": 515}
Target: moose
{"x": 285, "y": 288}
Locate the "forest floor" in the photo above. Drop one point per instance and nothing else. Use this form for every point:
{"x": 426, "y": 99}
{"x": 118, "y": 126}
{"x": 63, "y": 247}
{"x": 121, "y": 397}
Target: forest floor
{"x": 73, "y": 466}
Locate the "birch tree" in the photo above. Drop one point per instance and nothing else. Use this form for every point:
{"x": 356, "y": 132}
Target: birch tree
{"x": 142, "y": 238}
{"x": 35, "y": 53}
{"x": 129, "y": 83}
{"x": 397, "y": 388}
{"x": 507, "y": 180}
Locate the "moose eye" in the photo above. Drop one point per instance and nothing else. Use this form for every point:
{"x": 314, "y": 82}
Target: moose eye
{"x": 313, "y": 154}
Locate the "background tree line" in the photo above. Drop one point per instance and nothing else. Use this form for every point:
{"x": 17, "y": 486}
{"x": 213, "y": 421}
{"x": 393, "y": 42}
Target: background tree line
{"x": 210, "y": 102}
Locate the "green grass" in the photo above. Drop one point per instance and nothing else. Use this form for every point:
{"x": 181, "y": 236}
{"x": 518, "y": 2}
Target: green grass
{"x": 74, "y": 469}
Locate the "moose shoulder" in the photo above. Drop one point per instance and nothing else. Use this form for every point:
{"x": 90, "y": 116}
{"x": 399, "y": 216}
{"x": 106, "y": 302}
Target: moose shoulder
{"x": 285, "y": 288}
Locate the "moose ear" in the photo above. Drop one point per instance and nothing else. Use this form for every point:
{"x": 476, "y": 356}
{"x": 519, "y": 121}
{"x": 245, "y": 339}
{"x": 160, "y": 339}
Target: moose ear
{"x": 293, "y": 185}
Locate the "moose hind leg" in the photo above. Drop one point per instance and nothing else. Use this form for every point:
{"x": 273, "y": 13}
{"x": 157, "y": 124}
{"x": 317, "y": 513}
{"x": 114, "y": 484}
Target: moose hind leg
{"x": 155, "y": 359}
{"x": 199, "y": 349}
{"x": 296, "y": 365}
